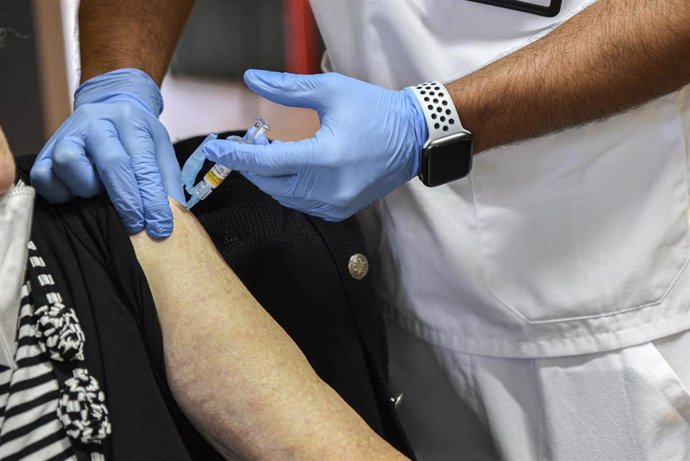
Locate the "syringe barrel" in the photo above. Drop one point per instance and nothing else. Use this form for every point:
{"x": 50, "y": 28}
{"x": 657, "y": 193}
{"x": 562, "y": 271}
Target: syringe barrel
{"x": 216, "y": 175}
{"x": 211, "y": 180}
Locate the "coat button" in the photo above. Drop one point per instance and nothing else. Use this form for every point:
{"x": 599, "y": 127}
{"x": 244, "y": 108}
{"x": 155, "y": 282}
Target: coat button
{"x": 397, "y": 400}
{"x": 358, "y": 266}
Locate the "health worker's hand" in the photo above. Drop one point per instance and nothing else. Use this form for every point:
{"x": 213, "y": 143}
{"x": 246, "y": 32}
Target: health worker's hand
{"x": 114, "y": 140}
{"x": 369, "y": 143}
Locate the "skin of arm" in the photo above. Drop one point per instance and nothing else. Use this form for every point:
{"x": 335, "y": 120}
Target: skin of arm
{"x": 130, "y": 33}
{"x": 237, "y": 375}
{"x": 614, "y": 55}
{"x": 7, "y": 167}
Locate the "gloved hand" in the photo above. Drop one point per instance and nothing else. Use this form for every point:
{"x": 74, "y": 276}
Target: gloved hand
{"x": 114, "y": 139}
{"x": 369, "y": 143}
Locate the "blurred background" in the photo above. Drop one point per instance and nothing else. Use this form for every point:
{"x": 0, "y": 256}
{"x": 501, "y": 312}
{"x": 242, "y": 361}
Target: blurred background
{"x": 203, "y": 91}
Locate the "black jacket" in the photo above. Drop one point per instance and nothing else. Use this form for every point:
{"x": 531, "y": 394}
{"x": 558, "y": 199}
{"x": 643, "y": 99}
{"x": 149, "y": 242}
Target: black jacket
{"x": 297, "y": 268}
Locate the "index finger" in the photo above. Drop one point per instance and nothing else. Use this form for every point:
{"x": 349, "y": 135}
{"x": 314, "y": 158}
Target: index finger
{"x": 275, "y": 159}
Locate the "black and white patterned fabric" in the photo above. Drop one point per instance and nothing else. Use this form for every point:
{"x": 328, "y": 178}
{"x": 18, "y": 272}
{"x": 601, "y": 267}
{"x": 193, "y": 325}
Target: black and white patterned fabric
{"x": 41, "y": 418}
{"x": 82, "y": 409}
{"x": 59, "y": 332}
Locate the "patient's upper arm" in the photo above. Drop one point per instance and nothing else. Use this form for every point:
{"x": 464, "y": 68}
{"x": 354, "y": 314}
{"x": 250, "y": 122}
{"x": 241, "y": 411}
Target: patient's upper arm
{"x": 236, "y": 374}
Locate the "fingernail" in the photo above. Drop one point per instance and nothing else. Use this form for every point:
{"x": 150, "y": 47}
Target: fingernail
{"x": 263, "y": 76}
{"x": 252, "y": 74}
{"x": 134, "y": 227}
{"x": 159, "y": 230}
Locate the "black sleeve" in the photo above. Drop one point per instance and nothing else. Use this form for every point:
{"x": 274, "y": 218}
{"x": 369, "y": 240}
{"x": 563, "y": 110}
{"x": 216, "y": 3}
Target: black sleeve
{"x": 296, "y": 266}
{"x": 97, "y": 273}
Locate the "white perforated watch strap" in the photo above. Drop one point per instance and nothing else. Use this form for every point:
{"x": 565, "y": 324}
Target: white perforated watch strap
{"x": 439, "y": 111}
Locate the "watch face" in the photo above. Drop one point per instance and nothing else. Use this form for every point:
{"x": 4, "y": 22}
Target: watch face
{"x": 447, "y": 159}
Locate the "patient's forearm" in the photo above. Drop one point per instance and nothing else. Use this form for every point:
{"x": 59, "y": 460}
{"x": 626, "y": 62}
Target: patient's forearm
{"x": 233, "y": 370}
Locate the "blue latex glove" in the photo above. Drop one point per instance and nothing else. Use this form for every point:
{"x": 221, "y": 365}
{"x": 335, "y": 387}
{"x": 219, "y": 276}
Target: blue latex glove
{"x": 114, "y": 139}
{"x": 194, "y": 163}
{"x": 369, "y": 143}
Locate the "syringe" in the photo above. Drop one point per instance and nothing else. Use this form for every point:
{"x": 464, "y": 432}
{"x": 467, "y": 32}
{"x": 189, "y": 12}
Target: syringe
{"x": 218, "y": 172}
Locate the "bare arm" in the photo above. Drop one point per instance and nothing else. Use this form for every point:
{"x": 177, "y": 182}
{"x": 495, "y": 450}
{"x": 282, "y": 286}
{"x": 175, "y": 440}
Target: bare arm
{"x": 130, "y": 33}
{"x": 234, "y": 371}
{"x": 614, "y": 55}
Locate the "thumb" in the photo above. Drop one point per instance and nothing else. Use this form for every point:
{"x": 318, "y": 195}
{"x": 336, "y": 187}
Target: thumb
{"x": 286, "y": 89}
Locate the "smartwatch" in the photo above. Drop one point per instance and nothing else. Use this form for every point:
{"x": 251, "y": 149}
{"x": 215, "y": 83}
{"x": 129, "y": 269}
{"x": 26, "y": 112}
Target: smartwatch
{"x": 447, "y": 153}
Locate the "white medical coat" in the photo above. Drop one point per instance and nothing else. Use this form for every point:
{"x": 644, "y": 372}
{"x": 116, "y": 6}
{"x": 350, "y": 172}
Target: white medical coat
{"x": 572, "y": 243}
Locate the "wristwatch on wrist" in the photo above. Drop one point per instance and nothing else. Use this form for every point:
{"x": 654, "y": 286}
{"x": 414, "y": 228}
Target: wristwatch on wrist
{"x": 447, "y": 153}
